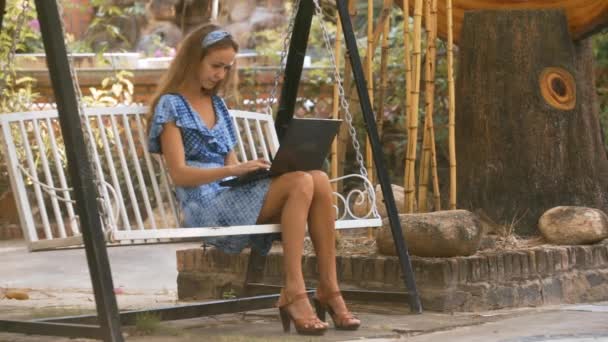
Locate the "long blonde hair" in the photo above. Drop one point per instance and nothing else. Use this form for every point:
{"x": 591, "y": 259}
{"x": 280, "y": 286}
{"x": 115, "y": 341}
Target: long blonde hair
{"x": 188, "y": 57}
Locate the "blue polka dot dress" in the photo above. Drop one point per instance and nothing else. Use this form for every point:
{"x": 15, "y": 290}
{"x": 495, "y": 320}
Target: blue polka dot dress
{"x": 211, "y": 205}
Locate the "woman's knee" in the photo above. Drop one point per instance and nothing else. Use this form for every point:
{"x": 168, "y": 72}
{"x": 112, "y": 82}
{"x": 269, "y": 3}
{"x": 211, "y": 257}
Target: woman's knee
{"x": 301, "y": 184}
{"x": 319, "y": 176}
{"x": 321, "y": 182}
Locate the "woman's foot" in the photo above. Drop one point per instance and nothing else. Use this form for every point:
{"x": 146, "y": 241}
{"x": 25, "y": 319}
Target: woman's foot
{"x": 297, "y": 308}
{"x": 332, "y": 302}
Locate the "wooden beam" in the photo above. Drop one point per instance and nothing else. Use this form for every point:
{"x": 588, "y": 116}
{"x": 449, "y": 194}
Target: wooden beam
{"x": 585, "y": 17}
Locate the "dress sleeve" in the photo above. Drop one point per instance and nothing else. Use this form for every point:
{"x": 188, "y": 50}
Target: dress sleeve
{"x": 163, "y": 112}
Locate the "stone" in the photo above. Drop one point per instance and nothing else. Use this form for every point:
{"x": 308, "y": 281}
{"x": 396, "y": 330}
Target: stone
{"x": 437, "y": 234}
{"x": 567, "y": 225}
{"x": 17, "y": 294}
{"x": 240, "y": 10}
{"x": 360, "y": 210}
{"x": 264, "y": 18}
{"x": 158, "y": 37}
{"x": 161, "y": 10}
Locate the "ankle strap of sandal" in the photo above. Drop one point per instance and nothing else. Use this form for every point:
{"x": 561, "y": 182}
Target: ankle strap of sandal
{"x": 328, "y": 297}
{"x": 285, "y": 299}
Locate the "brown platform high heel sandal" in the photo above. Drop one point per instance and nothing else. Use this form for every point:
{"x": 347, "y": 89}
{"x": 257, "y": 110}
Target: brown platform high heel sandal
{"x": 341, "y": 320}
{"x": 304, "y": 326}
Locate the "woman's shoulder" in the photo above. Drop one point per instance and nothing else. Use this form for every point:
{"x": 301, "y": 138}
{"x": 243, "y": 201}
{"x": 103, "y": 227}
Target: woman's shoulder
{"x": 168, "y": 98}
{"x": 173, "y": 102}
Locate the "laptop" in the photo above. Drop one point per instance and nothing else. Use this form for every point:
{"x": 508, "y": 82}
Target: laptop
{"x": 304, "y": 147}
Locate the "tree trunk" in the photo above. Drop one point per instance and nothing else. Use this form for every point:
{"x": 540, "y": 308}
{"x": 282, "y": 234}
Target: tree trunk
{"x": 527, "y": 128}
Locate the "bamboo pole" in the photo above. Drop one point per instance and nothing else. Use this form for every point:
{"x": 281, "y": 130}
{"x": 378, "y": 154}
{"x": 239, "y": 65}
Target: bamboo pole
{"x": 452, "y": 107}
{"x": 435, "y": 177}
{"x": 386, "y": 11}
{"x": 408, "y": 85}
{"x": 383, "y": 66}
{"x": 335, "y": 114}
{"x": 336, "y": 104}
{"x": 425, "y": 158}
{"x": 413, "y": 115}
{"x": 429, "y": 92}
{"x": 369, "y": 76}
{"x": 343, "y": 136}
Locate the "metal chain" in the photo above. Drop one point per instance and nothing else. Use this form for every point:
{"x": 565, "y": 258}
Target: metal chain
{"x": 341, "y": 93}
{"x": 280, "y": 70}
{"x": 19, "y": 23}
{"x": 106, "y": 218}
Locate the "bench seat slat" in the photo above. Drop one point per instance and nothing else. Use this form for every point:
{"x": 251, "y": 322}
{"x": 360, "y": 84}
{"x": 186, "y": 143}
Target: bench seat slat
{"x": 170, "y": 233}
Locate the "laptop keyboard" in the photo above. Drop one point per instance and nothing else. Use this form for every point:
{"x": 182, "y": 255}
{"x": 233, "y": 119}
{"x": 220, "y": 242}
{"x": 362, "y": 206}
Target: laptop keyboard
{"x": 247, "y": 178}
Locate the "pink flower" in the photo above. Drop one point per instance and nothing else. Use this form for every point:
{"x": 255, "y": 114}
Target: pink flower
{"x": 34, "y": 25}
{"x": 158, "y": 53}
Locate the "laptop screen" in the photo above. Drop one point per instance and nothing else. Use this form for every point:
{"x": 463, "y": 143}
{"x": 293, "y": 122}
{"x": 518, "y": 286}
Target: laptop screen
{"x": 305, "y": 145}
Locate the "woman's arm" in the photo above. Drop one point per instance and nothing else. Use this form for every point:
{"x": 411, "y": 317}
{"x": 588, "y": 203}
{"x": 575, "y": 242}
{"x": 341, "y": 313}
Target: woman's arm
{"x": 231, "y": 158}
{"x": 184, "y": 175}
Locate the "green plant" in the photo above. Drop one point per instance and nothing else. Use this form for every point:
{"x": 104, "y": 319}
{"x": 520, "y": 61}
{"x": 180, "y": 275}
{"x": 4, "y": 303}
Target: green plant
{"x": 20, "y": 33}
{"x": 229, "y": 294}
{"x": 147, "y": 323}
{"x": 151, "y": 324}
{"x": 105, "y": 11}
{"x": 117, "y": 89}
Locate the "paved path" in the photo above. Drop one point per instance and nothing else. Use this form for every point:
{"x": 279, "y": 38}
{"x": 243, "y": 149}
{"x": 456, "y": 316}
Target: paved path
{"x": 144, "y": 267}
{"x": 59, "y": 285}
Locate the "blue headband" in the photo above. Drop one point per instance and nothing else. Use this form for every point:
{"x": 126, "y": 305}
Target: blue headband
{"x": 214, "y": 37}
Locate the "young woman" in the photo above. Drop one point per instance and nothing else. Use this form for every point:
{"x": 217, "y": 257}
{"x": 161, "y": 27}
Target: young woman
{"x": 190, "y": 125}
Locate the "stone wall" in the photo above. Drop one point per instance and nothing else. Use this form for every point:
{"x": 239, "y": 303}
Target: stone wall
{"x": 531, "y": 277}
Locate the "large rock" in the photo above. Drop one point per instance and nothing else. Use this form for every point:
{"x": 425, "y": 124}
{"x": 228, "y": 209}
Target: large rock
{"x": 437, "y": 234}
{"x": 567, "y": 225}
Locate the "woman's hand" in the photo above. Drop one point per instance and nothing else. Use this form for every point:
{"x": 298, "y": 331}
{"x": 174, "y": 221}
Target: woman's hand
{"x": 246, "y": 167}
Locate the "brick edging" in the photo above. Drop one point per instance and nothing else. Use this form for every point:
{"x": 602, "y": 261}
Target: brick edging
{"x": 530, "y": 277}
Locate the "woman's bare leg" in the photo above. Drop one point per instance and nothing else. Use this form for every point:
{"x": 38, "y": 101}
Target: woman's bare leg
{"x": 321, "y": 224}
{"x": 289, "y": 198}
{"x": 321, "y": 227}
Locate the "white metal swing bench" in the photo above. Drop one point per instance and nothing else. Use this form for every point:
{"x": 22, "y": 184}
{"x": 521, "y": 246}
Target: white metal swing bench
{"x": 135, "y": 196}
{"x": 136, "y": 201}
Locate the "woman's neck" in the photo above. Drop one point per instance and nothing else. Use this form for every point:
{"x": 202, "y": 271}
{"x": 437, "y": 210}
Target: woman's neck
{"x": 194, "y": 92}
